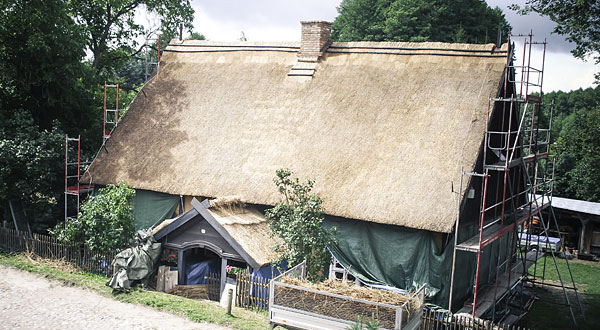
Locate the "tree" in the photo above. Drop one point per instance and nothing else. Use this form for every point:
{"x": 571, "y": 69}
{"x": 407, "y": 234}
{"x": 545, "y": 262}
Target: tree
{"x": 578, "y": 150}
{"x": 196, "y": 36}
{"x": 48, "y": 88}
{"x": 111, "y": 30}
{"x": 469, "y": 21}
{"x": 31, "y": 168}
{"x": 578, "y": 20}
{"x": 44, "y": 93}
{"x": 41, "y": 67}
{"x": 297, "y": 221}
{"x": 105, "y": 222}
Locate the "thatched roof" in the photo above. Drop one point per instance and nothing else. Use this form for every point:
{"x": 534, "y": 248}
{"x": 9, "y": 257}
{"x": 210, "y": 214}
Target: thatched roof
{"x": 382, "y": 128}
{"x": 249, "y": 228}
{"x": 243, "y": 230}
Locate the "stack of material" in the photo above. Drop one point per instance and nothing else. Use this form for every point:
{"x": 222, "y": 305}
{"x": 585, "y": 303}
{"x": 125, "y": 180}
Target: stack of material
{"x": 198, "y": 291}
{"x": 166, "y": 279}
{"x": 347, "y": 306}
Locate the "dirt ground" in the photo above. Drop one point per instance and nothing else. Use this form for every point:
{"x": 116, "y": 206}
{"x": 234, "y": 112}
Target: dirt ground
{"x": 30, "y": 301}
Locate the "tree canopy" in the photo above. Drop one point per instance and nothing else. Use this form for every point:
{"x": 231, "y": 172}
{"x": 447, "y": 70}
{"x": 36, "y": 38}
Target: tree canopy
{"x": 54, "y": 58}
{"x": 111, "y": 30}
{"x": 470, "y": 21}
{"x": 575, "y": 141}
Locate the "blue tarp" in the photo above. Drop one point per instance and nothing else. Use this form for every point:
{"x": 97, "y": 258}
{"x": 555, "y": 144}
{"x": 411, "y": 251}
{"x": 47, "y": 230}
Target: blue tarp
{"x": 196, "y": 273}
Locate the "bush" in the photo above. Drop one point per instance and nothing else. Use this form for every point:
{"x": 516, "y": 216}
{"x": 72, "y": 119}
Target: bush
{"x": 297, "y": 221}
{"x": 105, "y": 222}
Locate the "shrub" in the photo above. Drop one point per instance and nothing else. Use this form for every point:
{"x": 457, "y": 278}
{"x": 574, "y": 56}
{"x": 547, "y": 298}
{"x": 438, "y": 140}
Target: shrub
{"x": 105, "y": 222}
{"x": 297, "y": 220}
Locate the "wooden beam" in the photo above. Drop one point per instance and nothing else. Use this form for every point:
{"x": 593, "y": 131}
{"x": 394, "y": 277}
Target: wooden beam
{"x": 202, "y": 209}
{"x": 180, "y": 267}
{"x": 223, "y": 275}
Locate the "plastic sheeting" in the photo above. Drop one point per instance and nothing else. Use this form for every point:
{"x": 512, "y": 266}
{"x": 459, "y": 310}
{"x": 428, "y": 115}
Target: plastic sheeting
{"x": 405, "y": 258}
{"x": 151, "y": 207}
{"x": 136, "y": 264}
{"x": 196, "y": 273}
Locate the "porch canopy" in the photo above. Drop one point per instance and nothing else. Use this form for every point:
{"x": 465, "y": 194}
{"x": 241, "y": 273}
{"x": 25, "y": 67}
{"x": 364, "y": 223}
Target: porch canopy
{"x": 230, "y": 229}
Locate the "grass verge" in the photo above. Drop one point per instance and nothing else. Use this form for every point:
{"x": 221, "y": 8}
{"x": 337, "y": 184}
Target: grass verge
{"x": 546, "y": 314}
{"x": 195, "y": 310}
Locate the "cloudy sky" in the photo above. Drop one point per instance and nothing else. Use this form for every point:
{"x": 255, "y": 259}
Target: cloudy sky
{"x": 279, "y": 20}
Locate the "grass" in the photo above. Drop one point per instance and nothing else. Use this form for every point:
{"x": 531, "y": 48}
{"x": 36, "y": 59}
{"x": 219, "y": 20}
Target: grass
{"x": 195, "y": 310}
{"x": 548, "y": 315}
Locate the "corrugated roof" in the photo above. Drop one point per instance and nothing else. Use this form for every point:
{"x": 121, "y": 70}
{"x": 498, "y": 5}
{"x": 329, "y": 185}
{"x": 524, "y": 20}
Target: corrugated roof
{"x": 576, "y": 205}
{"x": 382, "y": 128}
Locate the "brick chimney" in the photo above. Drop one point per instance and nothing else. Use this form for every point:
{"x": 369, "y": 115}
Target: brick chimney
{"x": 316, "y": 37}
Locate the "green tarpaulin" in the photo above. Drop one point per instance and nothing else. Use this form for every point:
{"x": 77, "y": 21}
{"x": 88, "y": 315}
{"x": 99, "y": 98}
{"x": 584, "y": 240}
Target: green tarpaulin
{"x": 151, "y": 207}
{"x": 406, "y": 258}
{"x": 135, "y": 264}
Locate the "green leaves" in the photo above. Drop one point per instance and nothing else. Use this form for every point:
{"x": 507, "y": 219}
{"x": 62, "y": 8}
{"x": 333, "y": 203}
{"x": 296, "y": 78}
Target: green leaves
{"x": 575, "y": 140}
{"x": 471, "y": 21}
{"x": 578, "y": 148}
{"x": 111, "y": 29}
{"x": 105, "y": 222}
{"x": 297, "y": 220}
{"x": 31, "y": 166}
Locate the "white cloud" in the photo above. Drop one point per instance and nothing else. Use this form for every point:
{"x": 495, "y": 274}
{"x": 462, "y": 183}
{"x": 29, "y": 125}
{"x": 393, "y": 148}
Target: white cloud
{"x": 264, "y": 20}
{"x": 566, "y": 73}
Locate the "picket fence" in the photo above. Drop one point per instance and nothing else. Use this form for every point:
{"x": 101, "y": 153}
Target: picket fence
{"x": 252, "y": 292}
{"x": 49, "y": 247}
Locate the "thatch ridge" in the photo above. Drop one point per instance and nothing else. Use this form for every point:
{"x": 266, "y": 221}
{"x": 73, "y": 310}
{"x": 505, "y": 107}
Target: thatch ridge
{"x": 249, "y": 228}
{"x": 384, "y": 136}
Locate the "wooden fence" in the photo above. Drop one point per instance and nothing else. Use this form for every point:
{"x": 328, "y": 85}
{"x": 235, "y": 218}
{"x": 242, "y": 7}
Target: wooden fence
{"x": 252, "y": 292}
{"x": 433, "y": 320}
{"x": 213, "y": 280}
{"x": 50, "y": 248}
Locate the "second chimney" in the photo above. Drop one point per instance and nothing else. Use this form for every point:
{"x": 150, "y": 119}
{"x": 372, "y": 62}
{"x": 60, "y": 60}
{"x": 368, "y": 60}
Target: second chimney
{"x": 316, "y": 37}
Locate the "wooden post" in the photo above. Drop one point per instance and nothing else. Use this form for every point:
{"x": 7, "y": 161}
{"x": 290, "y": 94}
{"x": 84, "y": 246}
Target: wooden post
{"x": 180, "y": 267}
{"x": 223, "y": 276}
{"x": 581, "y": 236}
{"x": 229, "y": 298}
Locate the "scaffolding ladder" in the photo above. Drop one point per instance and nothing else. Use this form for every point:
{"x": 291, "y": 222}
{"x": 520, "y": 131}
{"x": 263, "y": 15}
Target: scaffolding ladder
{"x": 73, "y": 188}
{"x": 515, "y": 149}
{"x": 152, "y": 63}
{"x": 111, "y": 115}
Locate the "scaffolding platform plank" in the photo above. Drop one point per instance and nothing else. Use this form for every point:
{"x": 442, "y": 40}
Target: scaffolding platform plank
{"x": 472, "y": 244}
{"x": 496, "y": 231}
{"x": 485, "y": 296}
{"x": 83, "y": 188}
{"x": 503, "y": 166}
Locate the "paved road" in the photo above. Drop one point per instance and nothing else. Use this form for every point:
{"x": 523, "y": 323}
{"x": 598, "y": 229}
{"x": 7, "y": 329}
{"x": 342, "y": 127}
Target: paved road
{"x": 30, "y": 301}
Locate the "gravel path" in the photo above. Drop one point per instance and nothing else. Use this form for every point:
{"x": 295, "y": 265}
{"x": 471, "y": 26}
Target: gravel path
{"x": 30, "y": 301}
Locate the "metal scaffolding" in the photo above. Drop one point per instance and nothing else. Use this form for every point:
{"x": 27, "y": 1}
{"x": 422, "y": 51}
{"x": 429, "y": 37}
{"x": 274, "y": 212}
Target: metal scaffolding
{"x": 73, "y": 188}
{"x": 111, "y": 115}
{"x": 515, "y": 181}
{"x": 152, "y": 63}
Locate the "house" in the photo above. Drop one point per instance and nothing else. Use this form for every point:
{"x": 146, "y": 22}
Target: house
{"x": 383, "y": 128}
{"x": 215, "y": 234}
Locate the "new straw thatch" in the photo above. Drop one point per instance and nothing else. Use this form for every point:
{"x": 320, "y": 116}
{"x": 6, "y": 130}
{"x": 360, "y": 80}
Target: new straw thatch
{"x": 382, "y": 128}
{"x": 248, "y": 227}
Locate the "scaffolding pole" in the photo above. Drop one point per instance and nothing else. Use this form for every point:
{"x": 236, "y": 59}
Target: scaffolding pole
{"x": 520, "y": 155}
